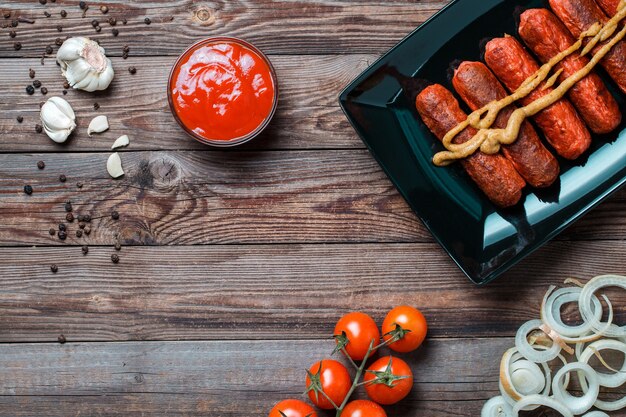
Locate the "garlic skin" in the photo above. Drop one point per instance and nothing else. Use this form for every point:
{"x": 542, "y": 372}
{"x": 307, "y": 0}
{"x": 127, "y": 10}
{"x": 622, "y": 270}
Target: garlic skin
{"x": 98, "y": 124}
{"x": 58, "y": 119}
{"x": 84, "y": 64}
{"x": 114, "y": 166}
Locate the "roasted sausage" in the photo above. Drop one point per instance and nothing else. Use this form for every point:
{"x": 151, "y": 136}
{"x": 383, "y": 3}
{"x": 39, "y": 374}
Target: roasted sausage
{"x": 494, "y": 174}
{"x": 580, "y": 15}
{"x": 560, "y": 123}
{"x": 477, "y": 86}
{"x": 546, "y": 36}
{"x": 610, "y": 7}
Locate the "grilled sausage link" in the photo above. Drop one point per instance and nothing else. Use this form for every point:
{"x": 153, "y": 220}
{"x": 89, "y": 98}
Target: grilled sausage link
{"x": 559, "y": 122}
{"x": 494, "y": 174}
{"x": 546, "y": 36}
{"x": 477, "y": 87}
{"x": 580, "y": 15}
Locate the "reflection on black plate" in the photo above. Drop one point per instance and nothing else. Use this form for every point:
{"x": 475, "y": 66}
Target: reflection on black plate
{"x": 483, "y": 240}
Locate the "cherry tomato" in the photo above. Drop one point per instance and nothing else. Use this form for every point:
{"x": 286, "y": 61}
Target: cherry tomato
{"x": 396, "y": 380}
{"x": 408, "y": 318}
{"x": 360, "y": 330}
{"x": 333, "y": 378}
{"x": 363, "y": 408}
{"x": 292, "y": 408}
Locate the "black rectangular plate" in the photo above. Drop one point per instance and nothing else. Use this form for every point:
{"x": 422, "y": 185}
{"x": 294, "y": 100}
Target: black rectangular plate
{"x": 483, "y": 240}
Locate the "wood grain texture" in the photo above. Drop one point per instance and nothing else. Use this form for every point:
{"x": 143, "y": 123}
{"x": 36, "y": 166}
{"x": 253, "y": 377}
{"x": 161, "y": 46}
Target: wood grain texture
{"x": 276, "y": 26}
{"x": 275, "y": 291}
{"x": 308, "y": 116}
{"x": 225, "y": 378}
{"x": 209, "y": 197}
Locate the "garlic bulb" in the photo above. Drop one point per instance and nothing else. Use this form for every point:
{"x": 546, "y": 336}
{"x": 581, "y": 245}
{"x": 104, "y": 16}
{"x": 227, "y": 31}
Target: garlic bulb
{"x": 58, "y": 119}
{"x": 84, "y": 64}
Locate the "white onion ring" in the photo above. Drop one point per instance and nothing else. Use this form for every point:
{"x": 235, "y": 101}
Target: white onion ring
{"x": 496, "y": 407}
{"x": 527, "y": 351}
{"x": 578, "y": 405}
{"x": 508, "y": 387}
{"x": 596, "y": 414}
{"x": 613, "y": 380}
{"x": 551, "y": 311}
{"x": 584, "y": 302}
{"x": 542, "y": 400}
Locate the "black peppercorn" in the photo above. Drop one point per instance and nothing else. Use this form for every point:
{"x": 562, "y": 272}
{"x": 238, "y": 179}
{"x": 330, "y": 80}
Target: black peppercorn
{"x": 12, "y": 33}
{"x": 58, "y": 41}
{"x": 115, "y": 215}
{"x": 61, "y": 338}
{"x": 115, "y": 259}
{"x": 82, "y": 5}
{"x": 147, "y": 21}
{"x": 44, "y": 90}
{"x": 43, "y": 1}
{"x": 41, "y": 103}
{"x": 49, "y": 49}
{"x": 14, "y": 23}
{"x": 17, "y": 46}
{"x": 132, "y": 70}
{"x": 28, "y": 189}
{"x": 47, "y": 14}
{"x": 64, "y": 92}
{"x": 115, "y": 32}
{"x": 62, "y": 227}
{"x": 7, "y": 14}
{"x": 63, "y": 13}
{"x": 20, "y": 119}
{"x": 66, "y": 85}
{"x": 118, "y": 246}
{"x": 62, "y": 235}
{"x": 31, "y": 73}
{"x": 87, "y": 230}
{"x": 52, "y": 232}
{"x": 87, "y": 218}
{"x": 98, "y": 28}
{"x": 126, "y": 48}
{"x": 38, "y": 128}
{"x": 85, "y": 250}
{"x": 69, "y": 217}
{"x": 54, "y": 268}
{"x": 30, "y": 89}
{"x": 68, "y": 206}
{"x": 36, "y": 83}
{"x": 82, "y": 225}
{"x": 62, "y": 178}
{"x": 79, "y": 184}
{"x": 41, "y": 165}
{"x": 112, "y": 21}
{"x": 59, "y": 28}
{"x": 95, "y": 23}
{"x": 104, "y": 9}
{"x": 96, "y": 106}
{"x": 79, "y": 233}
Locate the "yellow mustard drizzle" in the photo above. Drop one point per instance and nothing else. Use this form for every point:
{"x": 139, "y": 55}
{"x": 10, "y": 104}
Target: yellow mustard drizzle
{"x": 490, "y": 140}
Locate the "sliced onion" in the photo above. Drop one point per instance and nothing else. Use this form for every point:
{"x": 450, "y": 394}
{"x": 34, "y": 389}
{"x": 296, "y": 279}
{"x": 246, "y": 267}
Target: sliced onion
{"x": 520, "y": 377}
{"x": 551, "y": 311}
{"x": 541, "y": 400}
{"x": 527, "y": 350}
{"x": 596, "y": 414}
{"x": 613, "y": 380}
{"x": 594, "y": 336}
{"x": 496, "y": 407}
{"x": 584, "y": 302}
{"x": 578, "y": 405}
{"x": 611, "y": 405}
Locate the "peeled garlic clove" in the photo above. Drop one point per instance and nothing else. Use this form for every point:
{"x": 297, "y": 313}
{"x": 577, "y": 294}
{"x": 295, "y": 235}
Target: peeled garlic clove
{"x": 98, "y": 124}
{"x": 114, "y": 166}
{"x": 121, "y": 142}
{"x": 84, "y": 64}
{"x": 58, "y": 119}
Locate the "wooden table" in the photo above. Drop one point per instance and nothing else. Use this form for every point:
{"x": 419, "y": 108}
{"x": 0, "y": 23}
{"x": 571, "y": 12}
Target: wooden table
{"x": 235, "y": 265}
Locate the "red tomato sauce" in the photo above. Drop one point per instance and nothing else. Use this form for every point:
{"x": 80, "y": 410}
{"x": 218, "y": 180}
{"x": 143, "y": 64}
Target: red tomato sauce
{"x": 222, "y": 90}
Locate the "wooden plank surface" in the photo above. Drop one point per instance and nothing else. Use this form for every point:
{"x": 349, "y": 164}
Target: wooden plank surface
{"x": 308, "y": 115}
{"x": 225, "y": 197}
{"x": 276, "y": 26}
{"x": 267, "y": 292}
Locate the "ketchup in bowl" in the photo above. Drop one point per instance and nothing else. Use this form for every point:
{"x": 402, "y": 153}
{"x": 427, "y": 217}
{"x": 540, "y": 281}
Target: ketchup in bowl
{"x": 223, "y": 91}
